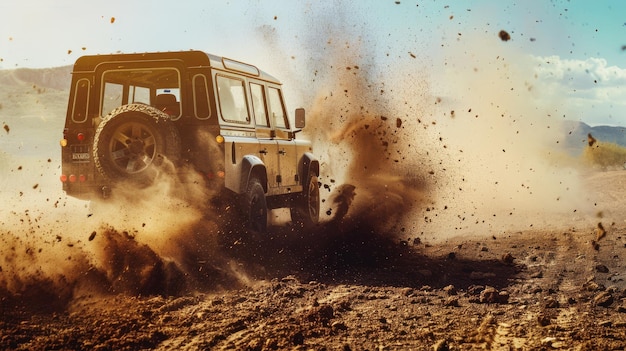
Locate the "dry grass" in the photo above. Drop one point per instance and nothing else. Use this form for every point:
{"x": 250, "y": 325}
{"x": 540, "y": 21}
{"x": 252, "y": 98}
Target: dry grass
{"x": 604, "y": 155}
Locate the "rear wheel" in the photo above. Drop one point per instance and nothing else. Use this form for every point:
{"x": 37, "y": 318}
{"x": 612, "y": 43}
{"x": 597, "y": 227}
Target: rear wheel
{"x": 133, "y": 143}
{"x": 306, "y": 209}
{"x": 256, "y": 206}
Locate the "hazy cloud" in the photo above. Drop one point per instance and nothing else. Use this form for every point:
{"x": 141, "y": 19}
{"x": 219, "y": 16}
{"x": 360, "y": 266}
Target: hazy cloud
{"x": 580, "y": 74}
{"x": 589, "y": 89}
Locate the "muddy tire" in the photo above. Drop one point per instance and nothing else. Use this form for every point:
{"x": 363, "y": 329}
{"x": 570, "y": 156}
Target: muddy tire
{"x": 255, "y": 206}
{"x": 306, "y": 207}
{"x": 135, "y": 143}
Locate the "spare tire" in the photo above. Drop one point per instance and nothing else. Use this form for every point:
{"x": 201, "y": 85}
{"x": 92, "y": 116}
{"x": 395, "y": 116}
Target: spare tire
{"x": 132, "y": 143}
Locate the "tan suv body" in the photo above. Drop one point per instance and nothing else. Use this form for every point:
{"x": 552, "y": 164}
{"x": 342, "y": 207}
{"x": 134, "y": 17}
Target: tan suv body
{"x": 132, "y": 116}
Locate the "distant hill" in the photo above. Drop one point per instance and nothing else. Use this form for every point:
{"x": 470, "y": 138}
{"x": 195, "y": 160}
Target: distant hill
{"x": 576, "y": 135}
{"x": 54, "y": 78}
{"x": 32, "y": 95}
{"x": 32, "y": 111}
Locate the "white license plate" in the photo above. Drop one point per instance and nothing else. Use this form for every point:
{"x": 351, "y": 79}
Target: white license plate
{"x": 80, "y": 156}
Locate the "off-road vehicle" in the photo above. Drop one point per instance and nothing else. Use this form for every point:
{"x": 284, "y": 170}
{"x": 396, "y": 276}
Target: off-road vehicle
{"x": 131, "y": 117}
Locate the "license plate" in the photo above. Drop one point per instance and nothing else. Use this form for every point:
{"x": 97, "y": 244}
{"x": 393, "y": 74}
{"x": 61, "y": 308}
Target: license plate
{"x": 80, "y": 156}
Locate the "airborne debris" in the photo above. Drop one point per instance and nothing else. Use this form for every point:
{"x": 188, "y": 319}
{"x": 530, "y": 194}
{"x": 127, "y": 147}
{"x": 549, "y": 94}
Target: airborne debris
{"x": 600, "y": 231}
{"x": 591, "y": 140}
{"x": 6, "y": 127}
{"x": 504, "y": 35}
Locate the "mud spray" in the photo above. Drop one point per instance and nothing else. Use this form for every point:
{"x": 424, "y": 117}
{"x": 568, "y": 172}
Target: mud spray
{"x": 411, "y": 146}
{"x": 437, "y": 146}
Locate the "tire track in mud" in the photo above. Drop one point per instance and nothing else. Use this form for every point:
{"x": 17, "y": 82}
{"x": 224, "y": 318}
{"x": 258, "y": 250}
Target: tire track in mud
{"x": 557, "y": 295}
{"x": 547, "y": 265}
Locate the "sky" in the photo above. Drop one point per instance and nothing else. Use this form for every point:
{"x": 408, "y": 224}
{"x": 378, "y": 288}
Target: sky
{"x": 572, "y": 50}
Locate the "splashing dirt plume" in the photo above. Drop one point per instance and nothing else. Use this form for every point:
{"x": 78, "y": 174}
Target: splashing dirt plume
{"x": 453, "y": 144}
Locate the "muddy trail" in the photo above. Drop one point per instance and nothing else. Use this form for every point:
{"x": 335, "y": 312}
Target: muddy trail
{"x": 348, "y": 284}
{"x": 340, "y": 251}
{"x": 358, "y": 290}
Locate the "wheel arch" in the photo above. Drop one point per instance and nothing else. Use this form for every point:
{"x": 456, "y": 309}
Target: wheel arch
{"x": 308, "y": 164}
{"x": 252, "y": 167}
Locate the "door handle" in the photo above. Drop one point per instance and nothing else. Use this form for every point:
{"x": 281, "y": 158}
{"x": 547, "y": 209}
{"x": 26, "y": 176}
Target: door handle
{"x": 282, "y": 152}
{"x": 264, "y": 152}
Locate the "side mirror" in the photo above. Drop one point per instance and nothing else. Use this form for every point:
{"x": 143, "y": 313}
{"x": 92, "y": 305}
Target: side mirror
{"x": 300, "y": 120}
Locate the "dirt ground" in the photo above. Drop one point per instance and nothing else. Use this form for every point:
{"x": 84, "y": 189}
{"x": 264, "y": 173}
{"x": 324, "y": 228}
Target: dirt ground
{"x": 349, "y": 290}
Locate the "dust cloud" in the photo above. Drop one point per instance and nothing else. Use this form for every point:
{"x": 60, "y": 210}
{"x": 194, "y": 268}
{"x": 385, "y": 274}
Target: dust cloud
{"x": 42, "y": 241}
{"x": 437, "y": 149}
{"x": 166, "y": 238}
{"x": 363, "y": 143}
{"x": 505, "y": 169}
{"x": 156, "y": 240}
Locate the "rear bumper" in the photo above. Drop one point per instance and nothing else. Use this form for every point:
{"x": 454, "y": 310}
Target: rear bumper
{"x": 87, "y": 191}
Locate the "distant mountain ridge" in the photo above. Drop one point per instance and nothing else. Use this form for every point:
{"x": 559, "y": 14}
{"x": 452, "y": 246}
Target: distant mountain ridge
{"x": 55, "y": 78}
{"x": 59, "y": 78}
{"x": 576, "y": 135}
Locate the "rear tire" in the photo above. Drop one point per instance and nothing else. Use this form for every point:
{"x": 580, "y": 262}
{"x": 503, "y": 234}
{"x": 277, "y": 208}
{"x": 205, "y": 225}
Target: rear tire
{"x": 256, "y": 206}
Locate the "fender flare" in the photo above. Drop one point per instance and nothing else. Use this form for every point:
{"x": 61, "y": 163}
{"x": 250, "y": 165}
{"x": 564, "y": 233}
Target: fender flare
{"x": 308, "y": 164}
{"x": 252, "y": 167}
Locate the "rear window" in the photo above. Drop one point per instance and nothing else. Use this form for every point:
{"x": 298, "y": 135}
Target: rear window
{"x": 127, "y": 86}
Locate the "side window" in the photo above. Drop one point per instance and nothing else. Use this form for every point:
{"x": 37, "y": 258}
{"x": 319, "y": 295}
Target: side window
{"x": 201, "y": 97}
{"x": 232, "y": 97}
{"x": 278, "y": 110}
{"x": 258, "y": 105}
{"x": 139, "y": 94}
{"x": 81, "y": 101}
{"x": 112, "y": 97}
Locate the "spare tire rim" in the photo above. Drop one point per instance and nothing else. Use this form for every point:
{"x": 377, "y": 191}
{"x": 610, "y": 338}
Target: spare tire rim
{"x": 132, "y": 148}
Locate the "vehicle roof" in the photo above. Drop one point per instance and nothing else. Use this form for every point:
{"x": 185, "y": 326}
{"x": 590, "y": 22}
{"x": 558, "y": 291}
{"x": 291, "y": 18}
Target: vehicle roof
{"x": 191, "y": 58}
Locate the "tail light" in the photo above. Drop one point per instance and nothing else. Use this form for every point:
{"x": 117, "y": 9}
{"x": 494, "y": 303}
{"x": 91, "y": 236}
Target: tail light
{"x": 72, "y": 178}
{"x": 80, "y": 137}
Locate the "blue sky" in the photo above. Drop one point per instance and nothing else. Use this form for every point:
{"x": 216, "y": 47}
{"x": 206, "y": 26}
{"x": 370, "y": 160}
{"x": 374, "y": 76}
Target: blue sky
{"x": 573, "y": 47}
